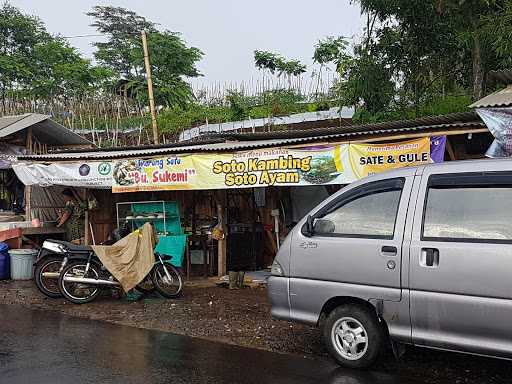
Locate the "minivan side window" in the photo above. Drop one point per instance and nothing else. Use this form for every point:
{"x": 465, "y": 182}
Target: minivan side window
{"x": 470, "y": 207}
{"x": 369, "y": 211}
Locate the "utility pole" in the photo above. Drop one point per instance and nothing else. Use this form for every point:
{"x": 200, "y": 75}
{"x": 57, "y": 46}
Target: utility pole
{"x": 150, "y": 87}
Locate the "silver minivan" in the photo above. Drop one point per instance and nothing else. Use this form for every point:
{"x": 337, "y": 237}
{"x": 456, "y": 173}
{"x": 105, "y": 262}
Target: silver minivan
{"x": 418, "y": 256}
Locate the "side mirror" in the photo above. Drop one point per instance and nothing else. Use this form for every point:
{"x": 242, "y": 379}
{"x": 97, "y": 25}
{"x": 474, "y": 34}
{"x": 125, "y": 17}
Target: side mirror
{"x": 308, "y": 229}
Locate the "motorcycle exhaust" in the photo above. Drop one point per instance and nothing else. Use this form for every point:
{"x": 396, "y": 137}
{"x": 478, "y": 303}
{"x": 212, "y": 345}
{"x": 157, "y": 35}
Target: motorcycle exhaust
{"x": 51, "y": 275}
{"x": 86, "y": 280}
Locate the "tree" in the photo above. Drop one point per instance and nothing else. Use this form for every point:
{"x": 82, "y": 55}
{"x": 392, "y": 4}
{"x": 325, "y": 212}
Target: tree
{"x": 265, "y": 60}
{"x": 442, "y": 46}
{"x": 417, "y": 42}
{"x": 483, "y": 27}
{"x": 123, "y": 29}
{"x": 365, "y": 81}
{"x": 275, "y": 63}
{"x": 172, "y": 61}
{"x": 19, "y": 36}
{"x": 59, "y": 71}
{"x": 40, "y": 66}
{"x": 331, "y": 50}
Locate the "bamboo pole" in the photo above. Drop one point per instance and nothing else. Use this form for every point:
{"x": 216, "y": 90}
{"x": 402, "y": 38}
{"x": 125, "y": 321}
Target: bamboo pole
{"x": 221, "y": 244}
{"x": 150, "y": 87}
{"x": 28, "y": 188}
{"x": 86, "y": 217}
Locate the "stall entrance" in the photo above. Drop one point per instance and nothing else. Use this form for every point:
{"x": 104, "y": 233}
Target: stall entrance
{"x": 11, "y": 192}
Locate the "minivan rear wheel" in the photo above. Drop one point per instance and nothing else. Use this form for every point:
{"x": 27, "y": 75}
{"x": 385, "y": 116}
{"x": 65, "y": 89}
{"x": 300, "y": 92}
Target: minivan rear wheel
{"x": 353, "y": 335}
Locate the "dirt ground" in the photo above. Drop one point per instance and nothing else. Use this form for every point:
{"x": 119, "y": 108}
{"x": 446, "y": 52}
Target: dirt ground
{"x": 243, "y": 318}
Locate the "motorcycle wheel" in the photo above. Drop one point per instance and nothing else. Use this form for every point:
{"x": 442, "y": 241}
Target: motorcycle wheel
{"x": 79, "y": 293}
{"x": 167, "y": 287}
{"x": 146, "y": 285}
{"x": 49, "y": 286}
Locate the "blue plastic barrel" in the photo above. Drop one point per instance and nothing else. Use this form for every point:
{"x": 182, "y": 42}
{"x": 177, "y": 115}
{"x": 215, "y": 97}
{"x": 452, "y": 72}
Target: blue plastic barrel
{"x": 5, "y": 262}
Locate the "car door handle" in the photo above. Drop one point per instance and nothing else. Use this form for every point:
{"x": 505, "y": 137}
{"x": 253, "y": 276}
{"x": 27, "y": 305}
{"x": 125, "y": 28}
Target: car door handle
{"x": 389, "y": 250}
{"x": 429, "y": 257}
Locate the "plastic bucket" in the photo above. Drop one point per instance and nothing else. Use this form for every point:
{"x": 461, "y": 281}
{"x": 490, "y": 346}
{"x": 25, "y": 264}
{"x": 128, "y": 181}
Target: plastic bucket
{"x": 22, "y": 262}
{"x": 5, "y": 270}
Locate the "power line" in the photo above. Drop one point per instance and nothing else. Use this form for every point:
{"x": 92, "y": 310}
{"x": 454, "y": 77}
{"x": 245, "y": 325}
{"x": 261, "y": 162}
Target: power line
{"x": 97, "y": 35}
{"x": 79, "y": 36}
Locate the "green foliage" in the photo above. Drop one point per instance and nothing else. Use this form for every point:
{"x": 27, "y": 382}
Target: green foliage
{"x": 331, "y": 50}
{"x": 279, "y": 102}
{"x": 238, "y": 105}
{"x": 266, "y": 60}
{"x": 235, "y": 107}
{"x": 440, "y": 106}
{"x": 274, "y": 62}
{"x": 171, "y": 60}
{"x": 496, "y": 31}
{"x": 417, "y": 57}
{"x": 122, "y": 27}
{"x": 365, "y": 80}
{"x": 37, "y": 65}
{"x": 19, "y": 34}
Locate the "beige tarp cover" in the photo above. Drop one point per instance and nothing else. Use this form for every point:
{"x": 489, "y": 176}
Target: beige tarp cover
{"x": 131, "y": 258}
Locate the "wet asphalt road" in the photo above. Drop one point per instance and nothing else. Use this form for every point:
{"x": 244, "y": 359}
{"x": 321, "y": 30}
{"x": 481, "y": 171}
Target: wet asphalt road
{"x": 39, "y": 347}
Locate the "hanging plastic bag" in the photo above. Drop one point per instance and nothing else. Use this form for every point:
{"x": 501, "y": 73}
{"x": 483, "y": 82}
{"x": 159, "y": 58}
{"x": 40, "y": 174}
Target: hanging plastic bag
{"x": 218, "y": 232}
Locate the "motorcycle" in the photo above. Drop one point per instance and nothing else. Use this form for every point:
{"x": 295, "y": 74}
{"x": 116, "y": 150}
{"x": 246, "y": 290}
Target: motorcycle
{"x": 53, "y": 257}
{"x": 84, "y": 276}
{"x": 51, "y": 260}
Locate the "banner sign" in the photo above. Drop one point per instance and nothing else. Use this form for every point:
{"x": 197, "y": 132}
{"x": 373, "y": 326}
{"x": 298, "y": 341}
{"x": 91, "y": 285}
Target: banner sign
{"x": 368, "y": 159}
{"x": 331, "y": 164}
{"x": 94, "y": 174}
{"x": 437, "y": 148}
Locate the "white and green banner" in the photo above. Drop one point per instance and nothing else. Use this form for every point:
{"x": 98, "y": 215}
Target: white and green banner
{"x": 90, "y": 174}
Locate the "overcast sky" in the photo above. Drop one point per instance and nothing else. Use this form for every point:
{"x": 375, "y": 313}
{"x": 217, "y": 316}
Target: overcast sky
{"x": 227, "y": 31}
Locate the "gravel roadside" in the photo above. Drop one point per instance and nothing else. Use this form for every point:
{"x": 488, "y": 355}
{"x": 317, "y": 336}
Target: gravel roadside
{"x": 243, "y": 318}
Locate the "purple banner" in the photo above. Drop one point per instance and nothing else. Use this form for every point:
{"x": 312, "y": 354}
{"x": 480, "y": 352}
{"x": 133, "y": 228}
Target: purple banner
{"x": 437, "y": 147}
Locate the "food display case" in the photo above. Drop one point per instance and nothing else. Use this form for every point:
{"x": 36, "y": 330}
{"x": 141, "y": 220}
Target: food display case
{"x": 164, "y": 215}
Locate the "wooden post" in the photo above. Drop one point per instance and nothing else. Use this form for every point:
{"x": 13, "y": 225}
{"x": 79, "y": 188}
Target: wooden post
{"x": 29, "y": 140}
{"x": 28, "y": 188}
{"x": 150, "y": 87}
{"x": 28, "y": 204}
{"x": 86, "y": 217}
{"x": 222, "y": 248}
{"x": 450, "y": 150}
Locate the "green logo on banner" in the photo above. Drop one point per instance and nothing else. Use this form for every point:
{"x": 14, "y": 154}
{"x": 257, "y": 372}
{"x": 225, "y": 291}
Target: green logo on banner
{"x": 104, "y": 168}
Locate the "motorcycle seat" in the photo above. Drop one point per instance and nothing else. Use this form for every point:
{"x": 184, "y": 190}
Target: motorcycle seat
{"x": 73, "y": 247}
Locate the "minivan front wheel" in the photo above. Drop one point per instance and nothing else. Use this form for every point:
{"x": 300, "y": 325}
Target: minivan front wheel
{"x": 353, "y": 336}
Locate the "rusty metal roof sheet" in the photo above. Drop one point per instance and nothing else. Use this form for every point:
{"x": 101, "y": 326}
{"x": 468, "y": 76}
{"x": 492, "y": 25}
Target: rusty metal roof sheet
{"x": 221, "y": 143}
{"x": 428, "y": 122}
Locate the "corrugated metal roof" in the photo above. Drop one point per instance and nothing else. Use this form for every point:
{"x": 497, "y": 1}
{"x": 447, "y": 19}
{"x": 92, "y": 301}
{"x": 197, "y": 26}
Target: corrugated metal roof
{"x": 420, "y": 123}
{"x": 298, "y": 118}
{"x": 468, "y": 122}
{"x": 44, "y": 129}
{"x": 117, "y": 154}
{"x": 501, "y": 98}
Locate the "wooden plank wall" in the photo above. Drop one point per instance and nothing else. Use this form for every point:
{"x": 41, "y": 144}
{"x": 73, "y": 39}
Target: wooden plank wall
{"x": 104, "y": 218}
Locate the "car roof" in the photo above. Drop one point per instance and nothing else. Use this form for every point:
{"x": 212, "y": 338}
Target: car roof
{"x": 479, "y": 165}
